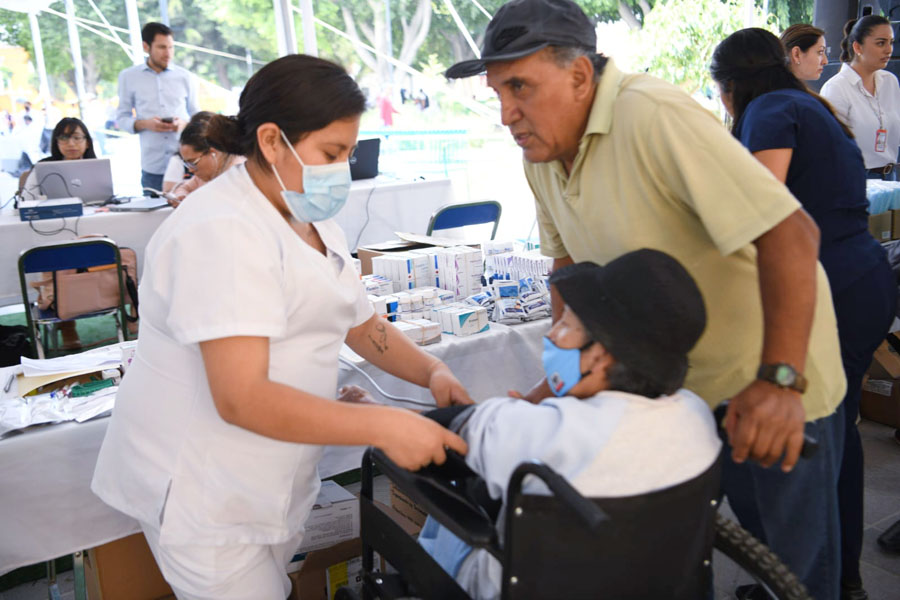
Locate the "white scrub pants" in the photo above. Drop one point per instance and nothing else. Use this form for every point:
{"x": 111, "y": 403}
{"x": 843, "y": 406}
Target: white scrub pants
{"x": 232, "y": 572}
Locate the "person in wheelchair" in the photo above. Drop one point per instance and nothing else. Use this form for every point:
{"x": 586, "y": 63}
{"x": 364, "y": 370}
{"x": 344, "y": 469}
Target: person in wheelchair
{"x": 619, "y": 425}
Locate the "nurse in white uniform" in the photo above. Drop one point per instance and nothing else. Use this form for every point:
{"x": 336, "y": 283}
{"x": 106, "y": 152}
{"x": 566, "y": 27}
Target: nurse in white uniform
{"x": 247, "y": 296}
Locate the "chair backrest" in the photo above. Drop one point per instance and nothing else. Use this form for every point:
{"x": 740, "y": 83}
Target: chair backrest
{"x": 654, "y": 545}
{"x": 75, "y": 254}
{"x": 460, "y": 215}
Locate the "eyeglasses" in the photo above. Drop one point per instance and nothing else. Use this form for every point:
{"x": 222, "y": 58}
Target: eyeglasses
{"x": 72, "y": 138}
{"x": 191, "y": 165}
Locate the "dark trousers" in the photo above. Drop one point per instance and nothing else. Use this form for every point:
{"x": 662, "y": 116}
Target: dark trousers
{"x": 796, "y": 513}
{"x": 865, "y": 310}
{"x": 152, "y": 181}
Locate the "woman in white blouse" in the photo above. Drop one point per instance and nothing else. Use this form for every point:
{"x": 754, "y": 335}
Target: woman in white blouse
{"x": 865, "y": 96}
{"x": 248, "y": 294}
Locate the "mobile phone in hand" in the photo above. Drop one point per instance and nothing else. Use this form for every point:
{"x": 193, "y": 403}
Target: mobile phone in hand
{"x": 168, "y": 119}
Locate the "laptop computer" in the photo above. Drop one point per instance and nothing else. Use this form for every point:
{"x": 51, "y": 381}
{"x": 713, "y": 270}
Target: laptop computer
{"x": 364, "y": 162}
{"x": 89, "y": 179}
{"x": 145, "y": 204}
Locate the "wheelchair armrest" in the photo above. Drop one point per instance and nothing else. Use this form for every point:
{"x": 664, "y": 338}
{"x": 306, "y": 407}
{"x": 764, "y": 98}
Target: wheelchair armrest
{"x": 441, "y": 491}
{"x": 583, "y": 508}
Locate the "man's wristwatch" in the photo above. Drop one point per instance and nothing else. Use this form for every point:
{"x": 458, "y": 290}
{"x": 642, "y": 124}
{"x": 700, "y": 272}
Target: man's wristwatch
{"x": 783, "y": 375}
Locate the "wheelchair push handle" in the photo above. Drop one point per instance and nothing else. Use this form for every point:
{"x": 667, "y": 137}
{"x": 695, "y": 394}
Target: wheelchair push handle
{"x": 810, "y": 444}
{"x": 584, "y": 509}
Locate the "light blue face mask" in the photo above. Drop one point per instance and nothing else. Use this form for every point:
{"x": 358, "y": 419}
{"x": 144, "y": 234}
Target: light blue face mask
{"x": 325, "y": 189}
{"x": 562, "y": 366}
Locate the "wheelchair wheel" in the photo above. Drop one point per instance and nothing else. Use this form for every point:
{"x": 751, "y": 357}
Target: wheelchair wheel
{"x": 758, "y": 561}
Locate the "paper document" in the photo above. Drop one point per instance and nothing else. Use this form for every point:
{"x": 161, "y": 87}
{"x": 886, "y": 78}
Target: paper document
{"x": 107, "y": 357}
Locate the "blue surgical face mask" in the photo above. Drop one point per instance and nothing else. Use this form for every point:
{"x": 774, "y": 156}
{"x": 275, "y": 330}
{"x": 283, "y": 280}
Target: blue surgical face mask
{"x": 562, "y": 366}
{"x": 325, "y": 189}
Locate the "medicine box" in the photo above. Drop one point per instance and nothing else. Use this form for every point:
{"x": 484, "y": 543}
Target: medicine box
{"x": 421, "y": 331}
{"x": 334, "y": 518}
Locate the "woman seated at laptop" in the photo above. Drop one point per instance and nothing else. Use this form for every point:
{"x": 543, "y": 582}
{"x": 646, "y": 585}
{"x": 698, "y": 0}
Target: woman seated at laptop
{"x": 205, "y": 162}
{"x": 70, "y": 141}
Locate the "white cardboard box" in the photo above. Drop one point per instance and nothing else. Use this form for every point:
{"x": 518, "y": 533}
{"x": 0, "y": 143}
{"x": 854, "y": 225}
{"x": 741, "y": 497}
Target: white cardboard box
{"x": 334, "y": 518}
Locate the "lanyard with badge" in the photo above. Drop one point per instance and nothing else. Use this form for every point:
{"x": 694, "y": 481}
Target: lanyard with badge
{"x": 881, "y": 132}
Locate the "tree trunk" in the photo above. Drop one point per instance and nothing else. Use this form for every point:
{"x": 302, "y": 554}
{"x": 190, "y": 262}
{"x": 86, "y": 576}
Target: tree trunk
{"x": 364, "y": 54}
{"x": 91, "y": 73}
{"x": 222, "y": 74}
{"x": 415, "y": 32}
{"x": 628, "y": 16}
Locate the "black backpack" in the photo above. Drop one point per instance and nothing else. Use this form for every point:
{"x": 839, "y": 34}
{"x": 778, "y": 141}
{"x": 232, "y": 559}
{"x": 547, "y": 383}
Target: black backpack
{"x": 13, "y": 344}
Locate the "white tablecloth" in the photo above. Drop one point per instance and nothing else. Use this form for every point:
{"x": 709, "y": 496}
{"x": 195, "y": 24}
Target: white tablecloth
{"x": 393, "y": 205}
{"x": 46, "y": 505}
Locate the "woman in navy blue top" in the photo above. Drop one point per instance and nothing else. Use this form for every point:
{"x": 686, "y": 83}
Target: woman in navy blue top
{"x": 795, "y": 133}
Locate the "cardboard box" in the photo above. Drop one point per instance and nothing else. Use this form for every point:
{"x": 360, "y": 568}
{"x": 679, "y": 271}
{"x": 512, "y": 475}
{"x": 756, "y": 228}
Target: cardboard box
{"x": 406, "y": 508}
{"x": 886, "y": 361}
{"x": 880, "y": 401}
{"x": 124, "y": 568}
{"x": 334, "y": 518}
{"x": 881, "y": 226}
{"x": 324, "y": 571}
{"x": 366, "y": 253}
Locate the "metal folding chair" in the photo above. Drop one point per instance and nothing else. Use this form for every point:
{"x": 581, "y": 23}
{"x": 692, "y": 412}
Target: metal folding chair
{"x": 460, "y": 215}
{"x": 76, "y": 254}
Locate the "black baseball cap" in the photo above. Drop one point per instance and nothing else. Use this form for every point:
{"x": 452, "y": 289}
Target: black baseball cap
{"x": 643, "y": 307}
{"x": 523, "y": 27}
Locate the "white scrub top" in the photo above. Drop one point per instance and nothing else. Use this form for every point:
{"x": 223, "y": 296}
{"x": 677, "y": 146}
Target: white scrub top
{"x": 865, "y": 114}
{"x": 226, "y": 264}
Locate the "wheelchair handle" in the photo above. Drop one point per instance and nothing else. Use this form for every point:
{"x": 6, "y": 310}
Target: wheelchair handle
{"x": 586, "y": 510}
{"x": 810, "y": 444}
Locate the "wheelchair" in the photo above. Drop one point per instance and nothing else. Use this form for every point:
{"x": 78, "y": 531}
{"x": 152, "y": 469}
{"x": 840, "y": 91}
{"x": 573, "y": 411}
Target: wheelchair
{"x": 562, "y": 545}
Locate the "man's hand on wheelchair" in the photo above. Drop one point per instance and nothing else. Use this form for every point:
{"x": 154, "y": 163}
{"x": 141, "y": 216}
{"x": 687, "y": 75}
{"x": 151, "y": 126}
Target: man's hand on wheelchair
{"x": 765, "y": 422}
{"x": 445, "y": 387}
{"x": 413, "y": 441}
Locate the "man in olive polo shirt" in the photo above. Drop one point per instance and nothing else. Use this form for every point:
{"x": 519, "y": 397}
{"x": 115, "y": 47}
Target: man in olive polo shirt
{"x": 620, "y": 162}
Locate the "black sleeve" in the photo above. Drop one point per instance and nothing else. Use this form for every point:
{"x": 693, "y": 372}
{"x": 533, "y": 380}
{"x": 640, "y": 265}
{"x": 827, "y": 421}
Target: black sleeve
{"x": 451, "y": 417}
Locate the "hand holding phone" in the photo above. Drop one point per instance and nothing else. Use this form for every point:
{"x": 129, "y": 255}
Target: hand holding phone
{"x": 168, "y": 119}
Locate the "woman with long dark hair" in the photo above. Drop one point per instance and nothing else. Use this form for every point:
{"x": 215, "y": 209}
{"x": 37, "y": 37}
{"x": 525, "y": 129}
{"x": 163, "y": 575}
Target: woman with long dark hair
{"x": 795, "y": 133}
{"x": 866, "y": 96}
{"x": 247, "y": 297}
{"x": 70, "y": 140}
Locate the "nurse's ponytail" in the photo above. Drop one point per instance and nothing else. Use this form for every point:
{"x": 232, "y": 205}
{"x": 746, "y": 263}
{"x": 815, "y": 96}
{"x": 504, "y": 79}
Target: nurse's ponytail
{"x": 299, "y": 93}
{"x": 857, "y": 30}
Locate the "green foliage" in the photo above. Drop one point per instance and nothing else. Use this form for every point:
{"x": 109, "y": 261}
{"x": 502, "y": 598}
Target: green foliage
{"x": 679, "y": 36}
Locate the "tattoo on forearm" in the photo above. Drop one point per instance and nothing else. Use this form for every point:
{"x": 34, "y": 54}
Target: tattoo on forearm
{"x": 380, "y": 339}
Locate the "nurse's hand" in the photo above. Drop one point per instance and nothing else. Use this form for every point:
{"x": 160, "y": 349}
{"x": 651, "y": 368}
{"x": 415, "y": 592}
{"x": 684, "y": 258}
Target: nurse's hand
{"x": 445, "y": 387}
{"x": 413, "y": 441}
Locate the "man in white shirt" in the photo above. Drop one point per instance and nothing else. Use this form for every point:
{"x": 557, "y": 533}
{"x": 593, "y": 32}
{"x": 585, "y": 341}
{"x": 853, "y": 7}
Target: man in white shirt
{"x": 156, "y": 100}
{"x": 619, "y": 424}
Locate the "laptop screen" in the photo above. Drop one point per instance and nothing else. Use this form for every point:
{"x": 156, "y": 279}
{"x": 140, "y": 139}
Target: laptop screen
{"x": 364, "y": 162}
{"x": 89, "y": 179}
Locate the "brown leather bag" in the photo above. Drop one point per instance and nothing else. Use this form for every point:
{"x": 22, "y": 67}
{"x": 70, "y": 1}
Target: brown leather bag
{"x": 75, "y": 292}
